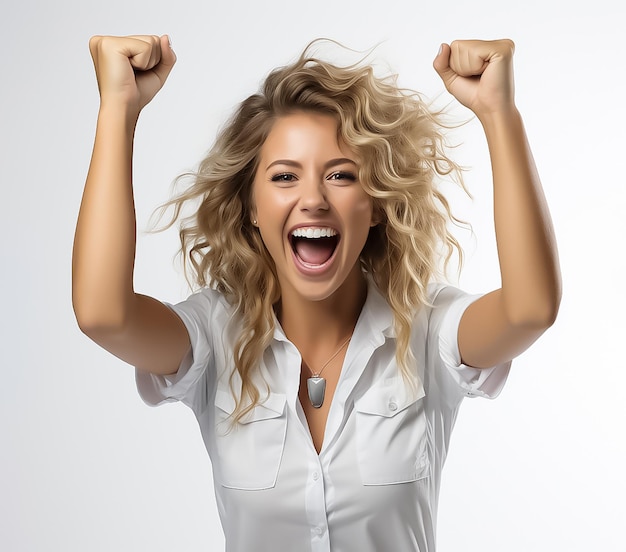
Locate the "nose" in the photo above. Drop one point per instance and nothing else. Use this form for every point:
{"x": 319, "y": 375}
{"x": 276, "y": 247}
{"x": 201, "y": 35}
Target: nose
{"x": 313, "y": 196}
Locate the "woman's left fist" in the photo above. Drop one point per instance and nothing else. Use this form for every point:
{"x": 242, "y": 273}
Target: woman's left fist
{"x": 479, "y": 74}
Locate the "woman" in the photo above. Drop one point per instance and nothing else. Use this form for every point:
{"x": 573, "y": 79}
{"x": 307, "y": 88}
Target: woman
{"x": 324, "y": 366}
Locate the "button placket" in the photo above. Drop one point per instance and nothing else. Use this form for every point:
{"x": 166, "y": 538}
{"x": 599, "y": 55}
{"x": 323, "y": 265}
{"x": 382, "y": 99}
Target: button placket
{"x": 316, "y": 508}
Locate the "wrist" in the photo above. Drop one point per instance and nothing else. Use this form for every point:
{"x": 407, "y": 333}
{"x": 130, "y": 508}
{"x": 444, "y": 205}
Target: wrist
{"x": 118, "y": 115}
{"x": 494, "y": 122}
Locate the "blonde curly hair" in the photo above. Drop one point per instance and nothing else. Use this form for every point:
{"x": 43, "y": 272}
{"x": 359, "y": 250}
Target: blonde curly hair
{"x": 401, "y": 147}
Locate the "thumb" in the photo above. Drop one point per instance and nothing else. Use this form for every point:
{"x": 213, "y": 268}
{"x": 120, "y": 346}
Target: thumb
{"x": 167, "y": 61}
{"x": 441, "y": 64}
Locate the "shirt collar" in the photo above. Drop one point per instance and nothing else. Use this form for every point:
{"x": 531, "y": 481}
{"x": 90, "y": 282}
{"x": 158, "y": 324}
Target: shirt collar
{"x": 376, "y": 313}
{"x": 376, "y": 318}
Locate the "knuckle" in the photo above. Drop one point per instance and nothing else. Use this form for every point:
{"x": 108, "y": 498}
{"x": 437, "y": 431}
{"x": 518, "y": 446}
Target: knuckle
{"x": 104, "y": 42}
{"x": 94, "y": 43}
{"x": 510, "y": 44}
{"x": 507, "y": 46}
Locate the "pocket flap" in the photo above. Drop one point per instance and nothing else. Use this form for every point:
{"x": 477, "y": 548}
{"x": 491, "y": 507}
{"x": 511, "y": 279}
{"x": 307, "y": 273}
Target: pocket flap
{"x": 272, "y": 407}
{"x": 390, "y": 396}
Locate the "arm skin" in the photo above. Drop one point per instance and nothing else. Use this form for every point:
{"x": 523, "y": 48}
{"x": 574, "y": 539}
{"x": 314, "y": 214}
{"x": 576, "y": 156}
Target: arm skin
{"x": 135, "y": 328}
{"x": 505, "y": 322}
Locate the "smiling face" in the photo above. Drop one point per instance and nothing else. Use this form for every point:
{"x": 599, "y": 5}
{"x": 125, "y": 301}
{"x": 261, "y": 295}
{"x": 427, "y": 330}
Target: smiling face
{"x": 311, "y": 210}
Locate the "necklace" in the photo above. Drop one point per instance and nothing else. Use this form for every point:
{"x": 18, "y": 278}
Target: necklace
{"x": 316, "y": 384}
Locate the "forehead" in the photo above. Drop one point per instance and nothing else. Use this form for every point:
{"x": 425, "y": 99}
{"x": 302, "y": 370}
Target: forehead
{"x": 304, "y": 135}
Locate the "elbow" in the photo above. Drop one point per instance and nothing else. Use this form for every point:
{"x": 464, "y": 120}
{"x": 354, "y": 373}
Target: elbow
{"x": 92, "y": 328}
{"x": 552, "y": 305}
{"x": 100, "y": 313}
{"x": 533, "y": 309}
{"x": 95, "y": 328}
{"x": 95, "y": 322}
{"x": 545, "y": 319}
{"x": 536, "y": 316}
{"x": 533, "y": 306}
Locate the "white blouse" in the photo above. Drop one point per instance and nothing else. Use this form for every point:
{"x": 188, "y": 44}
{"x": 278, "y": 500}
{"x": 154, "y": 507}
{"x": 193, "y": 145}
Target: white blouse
{"x": 375, "y": 484}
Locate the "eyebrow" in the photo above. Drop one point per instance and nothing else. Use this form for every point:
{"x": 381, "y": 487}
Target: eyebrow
{"x": 327, "y": 165}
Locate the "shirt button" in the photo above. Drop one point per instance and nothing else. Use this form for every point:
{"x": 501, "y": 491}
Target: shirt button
{"x": 393, "y": 406}
{"x": 316, "y": 476}
{"x": 318, "y": 530}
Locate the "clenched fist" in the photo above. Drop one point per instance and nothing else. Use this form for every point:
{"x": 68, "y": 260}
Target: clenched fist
{"x": 132, "y": 69}
{"x": 479, "y": 74}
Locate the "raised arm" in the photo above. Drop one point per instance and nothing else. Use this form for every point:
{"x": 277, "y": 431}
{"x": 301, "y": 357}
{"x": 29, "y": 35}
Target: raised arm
{"x": 505, "y": 322}
{"x": 135, "y": 328}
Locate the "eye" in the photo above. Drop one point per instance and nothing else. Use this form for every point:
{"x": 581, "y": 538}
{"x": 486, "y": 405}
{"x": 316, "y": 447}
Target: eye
{"x": 284, "y": 178}
{"x": 342, "y": 175}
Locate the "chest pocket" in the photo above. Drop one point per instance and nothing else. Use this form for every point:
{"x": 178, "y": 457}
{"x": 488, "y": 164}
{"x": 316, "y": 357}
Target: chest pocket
{"x": 391, "y": 433}
{"x": 250, "y": 451}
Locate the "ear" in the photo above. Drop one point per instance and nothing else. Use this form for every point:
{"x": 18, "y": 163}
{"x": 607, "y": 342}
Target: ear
{"x": 377, "y": 217}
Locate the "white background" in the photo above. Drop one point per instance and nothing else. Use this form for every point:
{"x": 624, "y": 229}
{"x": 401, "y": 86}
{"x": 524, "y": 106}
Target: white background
{"x": 86, "y": 466}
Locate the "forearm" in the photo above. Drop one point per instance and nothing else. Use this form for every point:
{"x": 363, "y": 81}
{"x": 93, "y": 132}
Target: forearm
{"x": 104, "y": 244}
{"x": 527, "y": 252}
{"x": 502, "y": 324}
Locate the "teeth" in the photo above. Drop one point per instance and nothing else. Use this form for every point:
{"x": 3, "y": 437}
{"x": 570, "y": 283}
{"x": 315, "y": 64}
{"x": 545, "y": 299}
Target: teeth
{"x": 314, "y": 233}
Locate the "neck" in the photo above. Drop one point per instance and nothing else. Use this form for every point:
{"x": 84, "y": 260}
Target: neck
{"x": 325, "y": 324}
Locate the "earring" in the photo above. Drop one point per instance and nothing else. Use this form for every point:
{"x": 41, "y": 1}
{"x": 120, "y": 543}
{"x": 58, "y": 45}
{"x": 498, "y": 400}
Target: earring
{"x": 254, "y": 222}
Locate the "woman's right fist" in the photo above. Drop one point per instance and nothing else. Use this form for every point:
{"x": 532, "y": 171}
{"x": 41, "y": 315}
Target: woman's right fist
{"x": 131, "y": 69}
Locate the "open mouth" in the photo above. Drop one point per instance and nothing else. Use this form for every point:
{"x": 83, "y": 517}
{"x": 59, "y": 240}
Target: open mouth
{"x": 314, "y": 246}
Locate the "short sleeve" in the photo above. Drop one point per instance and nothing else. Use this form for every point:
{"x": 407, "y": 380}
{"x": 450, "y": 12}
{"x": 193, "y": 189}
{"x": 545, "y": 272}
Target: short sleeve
{"x": 190, "y": 383}
{"x": 449, "y": 304}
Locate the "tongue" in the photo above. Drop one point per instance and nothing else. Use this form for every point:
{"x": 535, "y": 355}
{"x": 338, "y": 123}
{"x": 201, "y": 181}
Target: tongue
{"x": 314, "y": 251}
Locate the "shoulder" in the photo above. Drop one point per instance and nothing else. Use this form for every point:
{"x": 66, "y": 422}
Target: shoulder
{"x": 441, "y": 316}
{"x": 206, "y": 297}
{"x": 205, "y": 307}
{"x": 443, "y": 293}
{"x": 444, "y": 298}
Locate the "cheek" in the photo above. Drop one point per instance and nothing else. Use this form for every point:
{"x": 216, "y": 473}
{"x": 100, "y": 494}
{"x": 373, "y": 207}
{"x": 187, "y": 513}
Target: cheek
{"x": 254, "y": 200}
{"x": 270, "y": 203}
{"x": 362, "y": 209}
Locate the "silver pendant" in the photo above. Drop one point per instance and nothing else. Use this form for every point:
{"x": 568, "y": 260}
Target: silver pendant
{"x": 316, "y": 387}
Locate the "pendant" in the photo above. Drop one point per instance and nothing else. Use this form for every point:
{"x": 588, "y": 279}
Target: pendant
{"x": 316, "y": 387}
